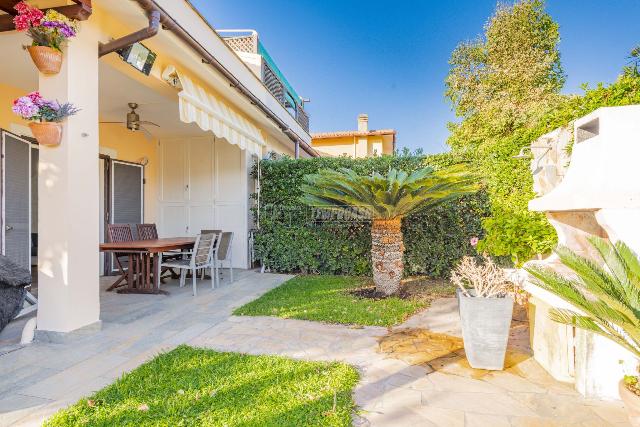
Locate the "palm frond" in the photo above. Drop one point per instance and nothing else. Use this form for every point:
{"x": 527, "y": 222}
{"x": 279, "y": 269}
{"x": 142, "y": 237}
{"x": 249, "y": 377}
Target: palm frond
{"x": 394, "y": 195}
{"x": 608, "y": 294}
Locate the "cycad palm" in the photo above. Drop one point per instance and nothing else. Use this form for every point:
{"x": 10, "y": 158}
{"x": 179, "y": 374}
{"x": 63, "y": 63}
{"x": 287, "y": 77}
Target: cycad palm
{"x": 387, "y": 199}
{"x": 608, "y": 297}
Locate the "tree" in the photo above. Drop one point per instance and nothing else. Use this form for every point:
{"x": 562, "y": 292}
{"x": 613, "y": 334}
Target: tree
{"x": 501, "y": 84}
{"x": 386, "y": 200}
{"x": 609, "y": 296}
{"x": 514, "y": 69}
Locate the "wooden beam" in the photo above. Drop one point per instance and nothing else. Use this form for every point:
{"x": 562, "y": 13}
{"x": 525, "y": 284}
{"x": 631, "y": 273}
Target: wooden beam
{"x": 7, "y": 6}
{"x": 83, "y": 2}
{"x": 6, "y": 23}
{"x": 80, "y": 12}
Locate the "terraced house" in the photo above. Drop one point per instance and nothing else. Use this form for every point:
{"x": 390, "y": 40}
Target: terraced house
{"x": 173, "y": 114}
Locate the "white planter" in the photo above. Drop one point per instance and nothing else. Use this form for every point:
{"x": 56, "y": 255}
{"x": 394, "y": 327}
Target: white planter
{"x": 485, "y": 329}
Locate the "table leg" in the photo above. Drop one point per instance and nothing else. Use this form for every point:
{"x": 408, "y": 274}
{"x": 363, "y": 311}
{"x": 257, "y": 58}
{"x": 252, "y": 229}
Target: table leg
{"x": 140, "y": 280}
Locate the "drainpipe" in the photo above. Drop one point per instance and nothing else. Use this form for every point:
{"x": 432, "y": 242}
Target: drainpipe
{"x": 138, "y": 36}
{"x": 297, "y": 150}
{"x": 169, "y": 24}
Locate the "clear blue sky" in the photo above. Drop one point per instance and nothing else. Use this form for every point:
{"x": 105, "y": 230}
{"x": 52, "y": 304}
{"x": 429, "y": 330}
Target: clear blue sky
{"x": 389, "y": 58}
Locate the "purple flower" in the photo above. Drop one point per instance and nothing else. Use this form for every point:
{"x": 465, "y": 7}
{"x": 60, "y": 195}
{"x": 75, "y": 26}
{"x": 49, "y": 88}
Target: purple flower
{"x": 54, "y": 105}
{"x": 474, "y": 241}
{"x": 65, "y": 29}
{"x": 25, "y": 108}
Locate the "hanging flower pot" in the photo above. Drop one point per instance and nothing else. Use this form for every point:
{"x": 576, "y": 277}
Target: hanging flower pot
{"x": 49, "y": 31}
{"x": 45, "y": 116}
{"x": 46, "y": 59}
{"x": 47, "y": 133}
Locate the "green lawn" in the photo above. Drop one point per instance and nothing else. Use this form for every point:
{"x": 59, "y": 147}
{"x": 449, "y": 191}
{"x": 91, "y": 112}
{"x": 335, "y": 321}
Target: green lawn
{"x": 327, "y": 299}
{"x": 197, "y": 387}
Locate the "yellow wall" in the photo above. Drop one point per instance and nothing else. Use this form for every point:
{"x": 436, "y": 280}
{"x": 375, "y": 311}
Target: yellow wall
{"x": 7, "y": 95}
{"x": 132, "y": 147}
{"x": 355, "y": 146}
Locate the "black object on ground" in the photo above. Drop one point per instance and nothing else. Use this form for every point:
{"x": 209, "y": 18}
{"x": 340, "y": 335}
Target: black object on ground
{"x": 13, "y": 280}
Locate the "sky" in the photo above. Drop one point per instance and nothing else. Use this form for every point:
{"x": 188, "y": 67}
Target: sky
{"x": 389, "y": 58}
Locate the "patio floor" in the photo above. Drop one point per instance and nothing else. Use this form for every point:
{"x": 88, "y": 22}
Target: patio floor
{"x": 38, "y": 379}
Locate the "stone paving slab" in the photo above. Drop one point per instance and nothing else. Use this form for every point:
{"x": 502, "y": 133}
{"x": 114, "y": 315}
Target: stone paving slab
{"x": 39, "y": 379}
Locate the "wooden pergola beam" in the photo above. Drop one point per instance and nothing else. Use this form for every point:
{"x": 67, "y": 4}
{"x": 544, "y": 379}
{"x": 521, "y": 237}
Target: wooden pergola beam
{"x": 81, "y": 11}
{"x": 7, "y": 6}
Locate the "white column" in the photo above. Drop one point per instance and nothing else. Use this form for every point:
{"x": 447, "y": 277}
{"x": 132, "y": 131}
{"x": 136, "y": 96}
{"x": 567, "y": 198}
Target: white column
{"x": 68, "y": 228}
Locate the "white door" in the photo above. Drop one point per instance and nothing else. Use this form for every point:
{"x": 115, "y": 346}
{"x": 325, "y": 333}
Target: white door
{"x": 16, "y": 199}
{"x": 186, "y": 186}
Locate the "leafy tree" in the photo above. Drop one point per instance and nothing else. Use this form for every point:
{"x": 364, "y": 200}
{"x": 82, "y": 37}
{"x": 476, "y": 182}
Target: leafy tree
{"x": 633, "y": 67}
{"x": 386, "y": 200}
{"x": 501, "y": 84}
{"x": 609, "y": 296}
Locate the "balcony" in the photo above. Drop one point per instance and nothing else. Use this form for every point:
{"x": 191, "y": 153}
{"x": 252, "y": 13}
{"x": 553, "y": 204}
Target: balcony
{"x": 249, "y": 48}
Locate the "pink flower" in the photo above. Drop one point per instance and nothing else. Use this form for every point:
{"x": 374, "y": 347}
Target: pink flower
{"x": 474, "y": 241}
{"x": 27, "y": 16}
{"x": 36, "y": 98}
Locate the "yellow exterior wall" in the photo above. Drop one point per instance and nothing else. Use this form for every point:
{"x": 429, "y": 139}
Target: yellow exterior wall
{"x": 354, "y": 146}
{"x": 7, "y": 95}
{"x": 132, "y": 147}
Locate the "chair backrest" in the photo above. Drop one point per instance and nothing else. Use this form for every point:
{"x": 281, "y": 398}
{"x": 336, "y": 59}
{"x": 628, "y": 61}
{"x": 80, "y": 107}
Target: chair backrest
{"x": 119, "y": 233}
{"x": 147, "y": 231}
{"x": 203, "y": 249}
{"x": 224, "y": 249}
{"x": 210, "y": 231}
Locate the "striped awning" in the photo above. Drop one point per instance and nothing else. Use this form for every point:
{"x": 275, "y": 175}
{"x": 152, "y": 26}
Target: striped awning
{"x": 212, "y": 113}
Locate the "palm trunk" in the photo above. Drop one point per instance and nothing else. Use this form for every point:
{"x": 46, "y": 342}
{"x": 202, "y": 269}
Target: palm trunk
{"x": 387, "y": 250}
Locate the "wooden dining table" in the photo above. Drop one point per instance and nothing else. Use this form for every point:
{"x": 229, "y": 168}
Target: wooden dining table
{"x": 143, "y": 256}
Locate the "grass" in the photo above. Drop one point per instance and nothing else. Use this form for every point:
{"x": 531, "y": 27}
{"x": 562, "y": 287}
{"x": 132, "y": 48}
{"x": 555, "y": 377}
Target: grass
{"x": 198, "y": 387}
{"x": 329, "y": 299}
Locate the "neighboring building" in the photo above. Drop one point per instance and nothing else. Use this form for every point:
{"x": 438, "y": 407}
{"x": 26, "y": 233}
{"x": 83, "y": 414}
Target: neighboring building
{"x": 356, "y": 143}
{"x": 216, "y": 117}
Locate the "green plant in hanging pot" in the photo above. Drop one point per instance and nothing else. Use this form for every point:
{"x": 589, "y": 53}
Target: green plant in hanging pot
{"x": 48, "y": 31}
{"x": 45, "y": 117}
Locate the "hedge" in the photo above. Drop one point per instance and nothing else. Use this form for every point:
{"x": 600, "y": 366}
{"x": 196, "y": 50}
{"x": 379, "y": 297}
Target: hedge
{"x": 288, "y": 240}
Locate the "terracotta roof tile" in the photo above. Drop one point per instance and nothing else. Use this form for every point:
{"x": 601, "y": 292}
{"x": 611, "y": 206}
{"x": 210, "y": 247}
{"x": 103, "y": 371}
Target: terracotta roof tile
{"x": 340, "y": 134}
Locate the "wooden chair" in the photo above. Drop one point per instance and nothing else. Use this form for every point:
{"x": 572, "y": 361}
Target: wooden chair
{"x": 200, "y": 258}
{"x": 150, "y": 232}
{"x": 147, "y": 231}
{"x": 119, "y": 233}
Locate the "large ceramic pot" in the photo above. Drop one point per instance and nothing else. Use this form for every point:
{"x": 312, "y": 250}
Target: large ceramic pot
{"x": 47, "y": 133}
{"x": 485, "y": 329}
{"x": 631, "y": 403}
{"x": 47, "y": 60}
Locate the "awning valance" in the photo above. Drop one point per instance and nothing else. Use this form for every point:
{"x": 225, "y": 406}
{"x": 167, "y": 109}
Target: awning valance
{"x": 212, "y": 113}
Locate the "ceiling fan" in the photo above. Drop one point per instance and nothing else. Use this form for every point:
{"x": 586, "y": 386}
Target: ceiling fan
{"x": 134, "y": 123}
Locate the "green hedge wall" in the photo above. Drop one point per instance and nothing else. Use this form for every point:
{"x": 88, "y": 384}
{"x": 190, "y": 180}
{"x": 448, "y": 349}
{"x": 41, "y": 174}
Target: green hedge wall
{"x": 289, "y": 241}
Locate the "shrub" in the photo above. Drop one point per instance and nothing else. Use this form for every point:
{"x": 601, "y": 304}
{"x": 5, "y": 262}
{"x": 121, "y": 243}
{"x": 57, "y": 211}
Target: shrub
{"x": 290, "y": 240}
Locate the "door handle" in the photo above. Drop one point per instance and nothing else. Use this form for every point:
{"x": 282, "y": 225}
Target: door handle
{"x": 8, "y": 227}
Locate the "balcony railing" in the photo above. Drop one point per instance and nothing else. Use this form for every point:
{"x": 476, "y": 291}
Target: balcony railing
{"x": 270, "y": 74}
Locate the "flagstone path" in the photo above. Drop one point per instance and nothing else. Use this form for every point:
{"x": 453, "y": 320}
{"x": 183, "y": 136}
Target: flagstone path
{"x": 413, "y": 375}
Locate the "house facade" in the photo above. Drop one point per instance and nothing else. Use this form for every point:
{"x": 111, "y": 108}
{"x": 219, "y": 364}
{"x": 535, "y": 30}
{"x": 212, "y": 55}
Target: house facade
{"x": 363, "y": 142}
{"x": 205, "y": 118}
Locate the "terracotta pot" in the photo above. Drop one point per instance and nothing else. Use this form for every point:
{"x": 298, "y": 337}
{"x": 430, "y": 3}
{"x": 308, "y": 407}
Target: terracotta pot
{"x": 47, "y": 60}
{"x": 631, "y": 403}
{"x": 47, "y": 133}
